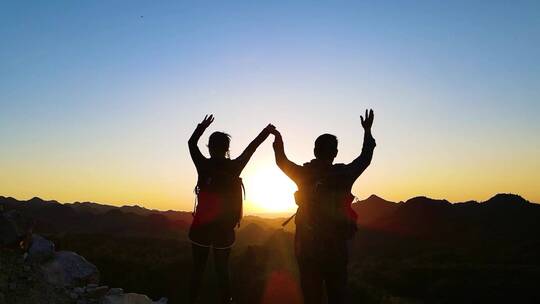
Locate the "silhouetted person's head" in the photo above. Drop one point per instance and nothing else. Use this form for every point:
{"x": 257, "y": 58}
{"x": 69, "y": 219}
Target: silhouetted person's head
{"x": 218, "y": 145}
{"x": 326, "y": 147}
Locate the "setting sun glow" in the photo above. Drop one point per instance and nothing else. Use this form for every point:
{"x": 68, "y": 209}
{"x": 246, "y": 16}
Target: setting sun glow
{"x": 268, "y": 190}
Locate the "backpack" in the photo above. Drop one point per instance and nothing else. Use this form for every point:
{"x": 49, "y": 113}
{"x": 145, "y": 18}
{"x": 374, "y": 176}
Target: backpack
{"x": 325, "y": 204}
{"x": 219, "y": 199}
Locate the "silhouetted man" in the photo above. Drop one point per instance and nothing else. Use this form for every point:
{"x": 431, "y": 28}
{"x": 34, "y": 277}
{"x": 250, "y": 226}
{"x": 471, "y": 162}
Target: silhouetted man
{"x": 325, "y": 219}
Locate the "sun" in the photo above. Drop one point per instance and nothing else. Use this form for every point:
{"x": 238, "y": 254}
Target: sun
{"x": 268, "y": 190}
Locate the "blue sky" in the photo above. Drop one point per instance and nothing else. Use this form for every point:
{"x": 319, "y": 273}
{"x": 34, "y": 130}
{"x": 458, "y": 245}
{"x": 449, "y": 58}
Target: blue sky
{"x": 98, "y": 98}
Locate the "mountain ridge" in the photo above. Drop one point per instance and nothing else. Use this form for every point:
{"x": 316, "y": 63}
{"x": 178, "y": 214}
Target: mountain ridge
{"x": 498, "y": 198}
{"x": 419, "y": 216}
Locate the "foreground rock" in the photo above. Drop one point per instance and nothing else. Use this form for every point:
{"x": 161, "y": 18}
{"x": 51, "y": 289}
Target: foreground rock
{"x": 24, "y": 284}
{"x": 70, "y": 269}
{"x": 40, "y": 249}
{"x": 31, "y": 272}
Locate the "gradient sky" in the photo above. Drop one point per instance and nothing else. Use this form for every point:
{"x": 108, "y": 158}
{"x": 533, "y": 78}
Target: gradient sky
{"x": 98, "y": 98}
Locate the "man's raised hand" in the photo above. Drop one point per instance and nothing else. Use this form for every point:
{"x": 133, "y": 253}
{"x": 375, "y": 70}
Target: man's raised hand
{"x": 367, "y": 121}
{"x": 275, "y": 132}
{"x": 278, "y": 141}
{"x": 208, "y": 119}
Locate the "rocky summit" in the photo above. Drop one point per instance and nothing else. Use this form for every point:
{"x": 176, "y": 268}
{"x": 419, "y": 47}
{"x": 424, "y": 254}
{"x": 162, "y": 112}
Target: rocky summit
{"x": 32, "y": 272}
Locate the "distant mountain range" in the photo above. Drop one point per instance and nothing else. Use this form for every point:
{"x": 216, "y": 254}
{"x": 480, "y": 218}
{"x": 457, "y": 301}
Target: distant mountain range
{"x": 52, "y": 217}
{"x": 502, "y": 216}
{"x": 420, "y": 217}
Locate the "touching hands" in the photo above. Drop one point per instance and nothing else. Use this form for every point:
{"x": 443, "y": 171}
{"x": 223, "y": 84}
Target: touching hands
{"x": 275, "y": 132}
{"x": 278, "y": 141}
{"x": 269, "y": 129}
{"x": 367, "y": 121}
{"x": 207, "y": 121}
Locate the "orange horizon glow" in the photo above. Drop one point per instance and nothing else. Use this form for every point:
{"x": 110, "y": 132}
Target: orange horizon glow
{"x": 156, "y": 184}
{"x": 97, "y": 104}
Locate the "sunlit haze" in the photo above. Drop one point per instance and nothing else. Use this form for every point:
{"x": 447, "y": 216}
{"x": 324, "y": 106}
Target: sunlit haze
{"x": 99, "y": 98}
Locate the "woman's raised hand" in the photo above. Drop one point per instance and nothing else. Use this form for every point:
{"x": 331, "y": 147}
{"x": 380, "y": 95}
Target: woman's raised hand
{"x": 208, "y": 119}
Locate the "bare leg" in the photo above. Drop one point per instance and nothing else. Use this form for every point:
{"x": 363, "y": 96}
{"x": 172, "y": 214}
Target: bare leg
{"x": 221, "y": 261}
{"x": 200, "y": 256}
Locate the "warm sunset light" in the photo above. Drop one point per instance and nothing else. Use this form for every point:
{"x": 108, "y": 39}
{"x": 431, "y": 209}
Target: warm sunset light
{"x": 268, "y": 190}
{"x": 115, "y": 93}
{"x": 151, "y": 152}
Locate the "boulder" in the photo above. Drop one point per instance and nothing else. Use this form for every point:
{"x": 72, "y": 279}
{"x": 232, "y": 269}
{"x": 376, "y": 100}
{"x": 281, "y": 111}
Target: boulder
{"x": 40, "y": 249}
{"x": 130, "y": 298}
{"x": 67, "y": 268}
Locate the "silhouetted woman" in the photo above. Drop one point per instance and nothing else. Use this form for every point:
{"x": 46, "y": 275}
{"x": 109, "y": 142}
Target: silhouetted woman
{"x": 219, "y": 204}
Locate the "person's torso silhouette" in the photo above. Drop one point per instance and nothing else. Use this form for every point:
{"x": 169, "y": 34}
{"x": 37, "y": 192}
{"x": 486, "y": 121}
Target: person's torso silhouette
{"x": 325, "y": 219}
{"x": 218, "y": 210}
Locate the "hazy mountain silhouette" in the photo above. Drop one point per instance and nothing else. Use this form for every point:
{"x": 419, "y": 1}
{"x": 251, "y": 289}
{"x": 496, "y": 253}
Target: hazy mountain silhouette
{"x": 503, "y": 214}
{"x": 52, "y": 217}
{"x": 373, "y": 208}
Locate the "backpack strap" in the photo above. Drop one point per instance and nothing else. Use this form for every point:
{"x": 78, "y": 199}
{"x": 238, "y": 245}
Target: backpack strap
{"x": 288, "y": 220}
{"x": 241, "y": 206}
{"x": 243, "y": 188}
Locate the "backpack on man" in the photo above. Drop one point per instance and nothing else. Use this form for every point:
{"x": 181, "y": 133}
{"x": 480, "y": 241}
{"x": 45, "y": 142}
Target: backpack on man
{"x": 325, "y": 203}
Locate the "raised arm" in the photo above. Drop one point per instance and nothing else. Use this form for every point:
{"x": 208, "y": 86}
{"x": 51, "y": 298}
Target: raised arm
{"x": 292, "y": 170}
{"x": 252, "y": 147}
{"x": 194, "y": 151}
{"x": 362, "y": 162}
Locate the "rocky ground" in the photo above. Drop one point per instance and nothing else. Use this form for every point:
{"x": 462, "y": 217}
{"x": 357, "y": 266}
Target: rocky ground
{"x": 33, "y": 272}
